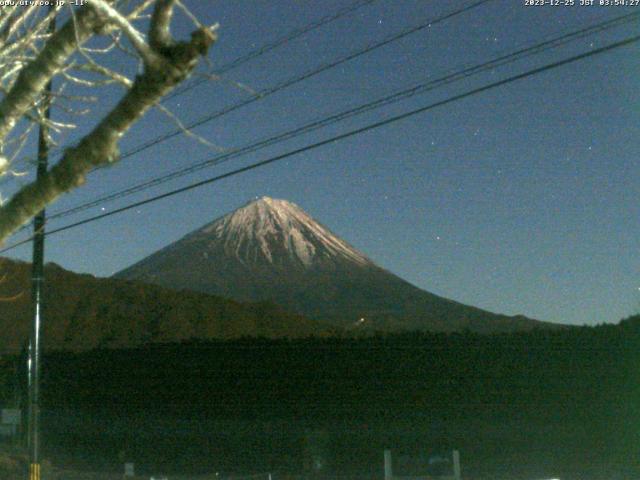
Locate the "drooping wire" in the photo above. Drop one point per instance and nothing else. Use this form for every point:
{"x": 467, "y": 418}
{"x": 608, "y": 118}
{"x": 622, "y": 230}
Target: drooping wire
{"x": 351, "y": 133}
{"x": 292, "y": 35}
{"x": 334, "y": 118}
{"x": 300, "y": 78}
{"x": 273, "y": 45}
{"x": 297, "y": 79}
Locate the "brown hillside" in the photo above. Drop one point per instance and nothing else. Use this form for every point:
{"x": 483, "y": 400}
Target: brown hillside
{"x": 84, "y": 312}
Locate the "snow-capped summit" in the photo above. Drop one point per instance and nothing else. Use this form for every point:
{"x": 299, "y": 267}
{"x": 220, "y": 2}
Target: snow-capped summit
{"x": 278, "y": 232}
{"x": 272, "y": 250}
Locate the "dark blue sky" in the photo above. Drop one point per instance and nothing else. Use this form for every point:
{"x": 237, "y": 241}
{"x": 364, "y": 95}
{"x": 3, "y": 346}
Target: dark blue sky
{"x": 522, "y": 199}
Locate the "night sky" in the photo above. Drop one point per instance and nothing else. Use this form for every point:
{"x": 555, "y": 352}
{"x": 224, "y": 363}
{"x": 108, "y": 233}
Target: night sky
{"x": 519, "y": 200}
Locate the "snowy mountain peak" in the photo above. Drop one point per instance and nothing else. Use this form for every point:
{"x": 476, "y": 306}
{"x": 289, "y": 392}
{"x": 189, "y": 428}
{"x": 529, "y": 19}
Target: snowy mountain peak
{"x": 276, "y": 231}
{"x": 271, "y": 250}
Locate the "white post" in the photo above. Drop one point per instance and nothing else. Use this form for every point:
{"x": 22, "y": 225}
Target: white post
{"x": 388, "y": 468}
{"x": 456, "y": 465}
{"x": 129, "y": 470}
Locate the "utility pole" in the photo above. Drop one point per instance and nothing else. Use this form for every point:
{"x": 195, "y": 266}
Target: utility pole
{"x": 37, "y": 284}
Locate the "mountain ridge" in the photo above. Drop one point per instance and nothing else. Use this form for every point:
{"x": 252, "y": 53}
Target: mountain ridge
{"x": 265, "y": 217}
{"x": 82, "y": 312}
{"x": 271, "y": 250}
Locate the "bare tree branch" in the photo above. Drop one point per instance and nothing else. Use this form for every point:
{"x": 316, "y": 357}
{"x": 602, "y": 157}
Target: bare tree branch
{"x": 187, "y": 132}
{"x": 139, "y": 10}
{"x": 34, "y": 77}
{"x": 173, "y": 62}
{"x": 159, "y": 31}
{"x": 148, "y": 55}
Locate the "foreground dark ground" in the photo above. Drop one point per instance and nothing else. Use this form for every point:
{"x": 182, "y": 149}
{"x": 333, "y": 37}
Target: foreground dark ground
{"x": 562, "y": 404}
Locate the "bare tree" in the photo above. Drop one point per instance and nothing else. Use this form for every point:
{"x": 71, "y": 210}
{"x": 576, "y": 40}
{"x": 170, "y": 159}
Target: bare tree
{"x": 30, "y": 58}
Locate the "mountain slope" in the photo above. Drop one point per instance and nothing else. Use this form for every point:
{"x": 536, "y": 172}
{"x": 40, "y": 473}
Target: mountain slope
{"x": 272, "y": 250}
{"x": 84, "y": 312}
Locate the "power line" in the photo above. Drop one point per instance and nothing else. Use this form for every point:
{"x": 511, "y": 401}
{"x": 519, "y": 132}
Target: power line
{"x": 273, "y": 45}
{"x": 386, "y": 100}
{"x": 351, "y": 133}
{"x": 292, "y": 35}
{"x": 300, "y": 78}
{"x": 305, "y": 76}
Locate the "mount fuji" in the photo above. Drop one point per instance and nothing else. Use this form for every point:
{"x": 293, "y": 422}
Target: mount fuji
{"x": 272, "y": 250}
